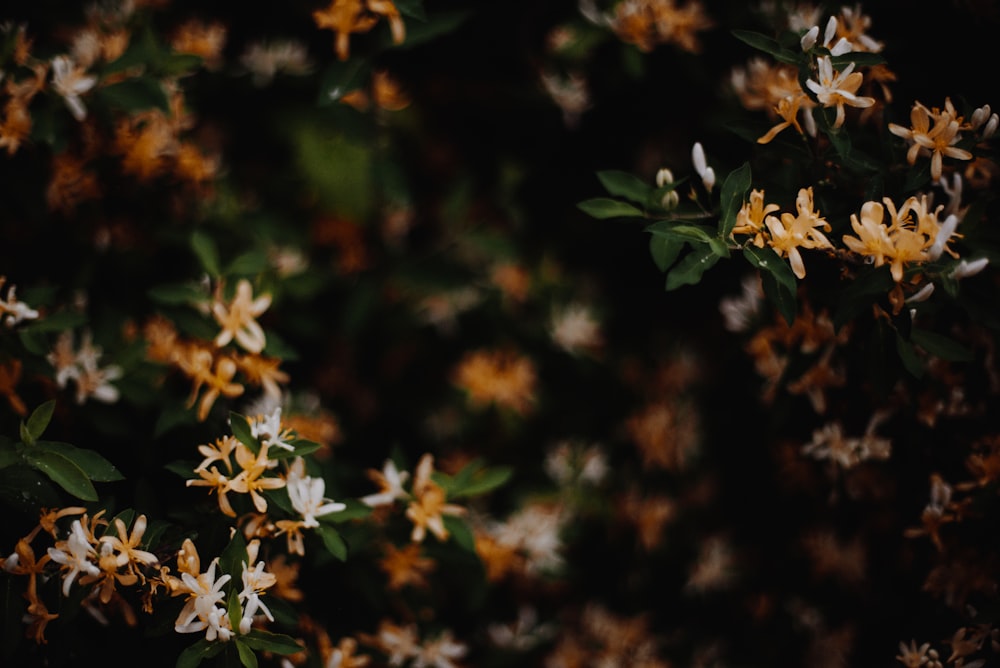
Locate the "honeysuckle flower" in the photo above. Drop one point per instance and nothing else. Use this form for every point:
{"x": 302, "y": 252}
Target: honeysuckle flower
{"x": 390, "y": 481}
{"x": 921, "y": 295}
{"x": 440, "y": 652}
{"x": 838, "y": 89}
{"x": 306, "y": 494}
{"x": 219, "y": 483}
{"x": 811, "y": 36}
{"x": 941, "y": 237}
{"x": 268, "y": 430}
{"x": 401, "y": 643}
{"x": 345, "y": 17}
{"x": 706, "y": 173}
{"x": 201, "y": 611}
{"x": 938, "y": 141}
{"x": 751, "y": 216}
{"x": 255, "y": 580}
{"x": 801, "y": 230}
{"x": 251, "y": 480}
{"x": 788, "y": 109}
{"x": 428, "y": 507}
{"x": 69, "y": 81}
{"x": 238, "y": 319}
{"x": 13, "y": 311}
{"x": 76, "y": 554}
{"x": 853, "y": 26}
{"x": 205, "y": 370}
{"x": 872, "y": 240}
{"x": 265, "y": 60}
{"x": 126, "y": 545}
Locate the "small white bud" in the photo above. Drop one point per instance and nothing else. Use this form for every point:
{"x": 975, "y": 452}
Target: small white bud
{"x": 841, "y": 47}
{"x": 831, "y": 30}
{"x": 966, "y": 268}
{"x": 708, "y": 178}
{"x": 921, "y": 295}
{"x": 979, "y": 116}
{"x": 808, "y": 40}
{"x": 698, "y": 158}
{"x": 991, "y": 126}
{"x": 664, "y": 177}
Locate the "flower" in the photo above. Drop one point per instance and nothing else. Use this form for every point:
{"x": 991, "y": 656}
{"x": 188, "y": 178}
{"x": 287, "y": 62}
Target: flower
{"x": 238, "y": 318}
{"x": 938, "y": 141}
{"x": 201, "y": 611}
{"x": 706, "y": 173}
{"x": 428, "y": 507}
{"x": 791, "y": 232}
{"x": 76, "y": 554}
{"x": 390, "y": 480}
{"x": 306, "y": 495}
{"x": 838, "y": 89}
{"x": 345, "y": 17}
{"x": 70, "y": 82}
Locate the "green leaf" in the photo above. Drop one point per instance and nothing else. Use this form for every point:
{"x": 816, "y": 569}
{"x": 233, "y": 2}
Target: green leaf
{"x": 734, "y": 192}
{"x": 859, "y": 58}
{"x": 685, "y": 232}
{"x": 605, "y": 207}
{"x": 623, "y": 184}
{"x": 690, "y": 269}
{"x": 412, "y": 8}
{"x": 301, "y": 448}
{"x": 766, "y": 260}
{"x": 484, "y": 481}
{"x": 460, "y": 532}
{"x": 768, "y": 45}
{"x": 39, "y": 420}
{"x": 909, "y": 357}
{"x": 90, "y": 462}
{"x": 866, "y": 288}
{"x": 941, "y": 346}
{"x": 247, "y": 656}
{"x": 267, "y": 641}
{"x": 136, "y": 94}
{"x": 333, "y": 541}
{"x": 664, "y": 250}
{"x": 434, "y": 26}
{"x": 780, "y": 296}
{"x": 340, "y": 78}
{"x": 196, "y": 653}
{"x": 355, "y": 510}
{"x": 177, "y": 294}
{"x": 8, "y": 453}
{"x": 240, "y": 425}
{"x": 250, "y": 263}
{"x": 208, "y": 254}
{"x": 56, "y": 322}
{"x": 176, "y": 64}
{"x": 62, "y": 471}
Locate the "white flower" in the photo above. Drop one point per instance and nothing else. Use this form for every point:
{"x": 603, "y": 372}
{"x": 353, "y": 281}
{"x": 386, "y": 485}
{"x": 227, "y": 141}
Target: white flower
{"x": 76, "y": 553}
{"x": 391, "y": 480}
{"x": 267, "y": 429}
{"x": 306, "y": 495}
{"x": 70, "y": 82}
{"x": 201, "y": 611}
{"x": 255, "y": 580}
{"x": 440, "y": 652}
{"x": 944, "y": 233}
{"x": 575, "y": 330}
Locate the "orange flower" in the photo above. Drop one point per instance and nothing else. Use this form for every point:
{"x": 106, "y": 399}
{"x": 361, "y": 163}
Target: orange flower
{"x": 345, "y": 17}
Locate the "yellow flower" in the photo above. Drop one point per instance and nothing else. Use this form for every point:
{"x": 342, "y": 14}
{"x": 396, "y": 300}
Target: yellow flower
{"x": 792, "y": 232}
{"x": 872, "y": 238}
{"x": 938, "y": 141}
{"x": 345, "y": 17}
{"x": 751, "y": 216}
{"x": 837, "y": 89}
{"x": 428, "y": 506}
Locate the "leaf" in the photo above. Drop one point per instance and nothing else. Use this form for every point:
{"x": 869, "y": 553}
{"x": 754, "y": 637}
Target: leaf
{"x": 690, "y": 269}
{"x": 767, "y": 45}
{"x": 208, "y": 254}
{"x": 63, "y": 472}
{"x": 412, "y": 8}
{"x": 438, "y": 24}
{"x": 355, "y": 510}
{"x": 765, "y": 259}
{"x": 861, "y": 293}
{"x": 176, "y": 294}
{"x": 240, "y": 425}
{"x": 340, "y": 78}
{"x": 664, "y": 250}
{"x": 39, "y": 420}
{"x": 780, "y": 296}
{"x": 196, "y": 653}
{"x": 268, "y": 641}
{"x": 605, "y": 207}
{"x": 8, "y": 453}
{"x": 301, "y": 448}
{"x": 941, "y": 346}
{"x": 250, "y": 263}
{"x": 734, "y": 191}
{"x": 247, "y": 656}
{"x": 909, "y": 357}
{"x": 484, "y": 481}
{"x": 136, "y": 94}
{"x": 681, "y": 231}
{"x": 460, "y": 532}
{"x": 56, "y": 322}
{"x": 333, "y": 541}
{"x": 623, "y": 184}
{"x": 90, "y": 462}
